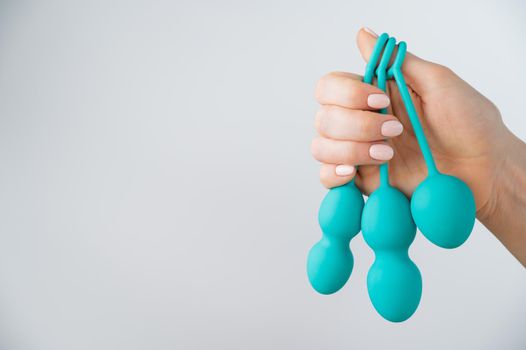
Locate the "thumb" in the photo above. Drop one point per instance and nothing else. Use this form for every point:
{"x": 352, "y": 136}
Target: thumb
{"x": 420, "y": 74}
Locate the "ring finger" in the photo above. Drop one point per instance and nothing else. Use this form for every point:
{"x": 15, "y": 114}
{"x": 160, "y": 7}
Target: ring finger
{"x": 350, "y": 152}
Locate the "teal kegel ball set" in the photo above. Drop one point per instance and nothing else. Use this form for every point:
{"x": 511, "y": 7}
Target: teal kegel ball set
{"x": 442, "y": 207}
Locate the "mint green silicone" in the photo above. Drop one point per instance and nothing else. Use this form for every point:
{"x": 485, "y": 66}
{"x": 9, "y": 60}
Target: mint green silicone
{"x": 443, "y": 206}
{"x": 394, "y": 282}
{"x": 330, "y": 261}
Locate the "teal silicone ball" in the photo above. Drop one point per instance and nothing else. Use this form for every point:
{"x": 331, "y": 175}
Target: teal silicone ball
{"x": 444, "y": 210}
{"x": 386, "y": 220}
{"x": 329, "y": 266}
{"x": 395, "y": 286}
{"x": 341, "y": 212}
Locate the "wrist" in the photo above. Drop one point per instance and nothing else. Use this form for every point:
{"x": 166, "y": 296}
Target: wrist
{"x": 504, "y": 211}
{"x": 509, "y": 181}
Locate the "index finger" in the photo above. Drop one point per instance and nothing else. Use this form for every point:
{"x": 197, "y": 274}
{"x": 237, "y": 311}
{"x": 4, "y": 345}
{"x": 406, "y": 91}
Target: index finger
{"x": 347, "y": 90}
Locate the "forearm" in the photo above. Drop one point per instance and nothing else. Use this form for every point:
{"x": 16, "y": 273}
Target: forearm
{"x": 505, "y": 215}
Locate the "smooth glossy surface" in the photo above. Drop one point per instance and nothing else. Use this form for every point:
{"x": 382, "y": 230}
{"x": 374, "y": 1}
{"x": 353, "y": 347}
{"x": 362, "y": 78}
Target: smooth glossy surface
{"x": 398, "y": 275}
{"x": 394, "y": 282}
{"x": 443, "y": 206}
{"x": 444, "y": 210}
{"x": 330, "y": 261}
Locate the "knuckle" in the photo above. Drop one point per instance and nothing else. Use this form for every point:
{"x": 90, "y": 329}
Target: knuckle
{"x": 353, "y": 93}
{"x": 315, "y": 147}
{"x": 323, "y": 119}
{"x": 349, "y": 153}
{"x": 444, "y": 69}
{"x": 334, "y": 74}
{"x": 326, "y": 80}
{"x": 439, "y": 71}
{"x": 321, "y": 85}
{"x": 364, "y": 126}
{"x": 319, "y": 120}
{"x": 325, "y": 178}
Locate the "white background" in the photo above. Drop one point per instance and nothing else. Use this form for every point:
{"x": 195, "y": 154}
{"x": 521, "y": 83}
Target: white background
{"x": 156, "y": 186}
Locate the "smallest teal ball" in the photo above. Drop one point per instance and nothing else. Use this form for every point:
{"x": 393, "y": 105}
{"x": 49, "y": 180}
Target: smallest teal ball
{"x": 340, "y": 213}
{"x": 329, "y": 265}
{"x": 444, "y": 210}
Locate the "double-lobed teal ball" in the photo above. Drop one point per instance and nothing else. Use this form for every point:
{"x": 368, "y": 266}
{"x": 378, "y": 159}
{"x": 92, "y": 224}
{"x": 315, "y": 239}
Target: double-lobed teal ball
{"x": 330, "y": 261}
{"x": 394, "y": 281}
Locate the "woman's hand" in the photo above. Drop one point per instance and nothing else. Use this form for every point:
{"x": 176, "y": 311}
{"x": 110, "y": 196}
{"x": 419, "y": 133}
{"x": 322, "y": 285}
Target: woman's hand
{"x": 464, "y": 130}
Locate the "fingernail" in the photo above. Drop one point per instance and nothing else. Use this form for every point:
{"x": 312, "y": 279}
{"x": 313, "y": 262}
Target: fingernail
{"x": 378, "y": 101}
{"x": 381, "y": 152}
{"x": 370, "y": 31}
{"x": 344, "y": 170}
{"x": 392, "y": 128}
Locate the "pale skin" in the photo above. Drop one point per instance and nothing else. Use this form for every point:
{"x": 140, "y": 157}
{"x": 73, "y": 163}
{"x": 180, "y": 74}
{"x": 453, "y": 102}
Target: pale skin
{"x": 464, "y": 129}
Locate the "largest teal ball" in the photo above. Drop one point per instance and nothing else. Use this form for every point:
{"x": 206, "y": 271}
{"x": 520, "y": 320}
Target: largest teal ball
{"x": 444, "y": 210}
{"x": 394, "y": 284}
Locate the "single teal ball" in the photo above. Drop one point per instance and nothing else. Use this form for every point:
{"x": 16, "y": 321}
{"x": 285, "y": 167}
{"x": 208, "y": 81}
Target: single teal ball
{"x": 386, "y": 220}
{"x": 394, "y": 284}
{"x": 329, "y": 265}
{"x": 340, "y": 211}
{"x": 444, "y": 210}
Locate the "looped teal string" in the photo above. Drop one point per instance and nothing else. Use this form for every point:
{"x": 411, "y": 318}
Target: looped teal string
{"x": 396, "y": 72}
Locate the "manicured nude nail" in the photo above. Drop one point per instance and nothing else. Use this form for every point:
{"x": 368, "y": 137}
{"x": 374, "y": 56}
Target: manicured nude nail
{"x": 344, "y": 170}
{"x": 370, "y": 31}
{"x": 381, "y": 152}
{"x": 378, "y": 101}
{"x": 392, "y": 128}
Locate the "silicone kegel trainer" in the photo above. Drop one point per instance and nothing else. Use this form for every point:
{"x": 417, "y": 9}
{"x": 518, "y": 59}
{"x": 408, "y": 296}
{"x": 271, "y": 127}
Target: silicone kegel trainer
{"x": 442, "y": 206}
